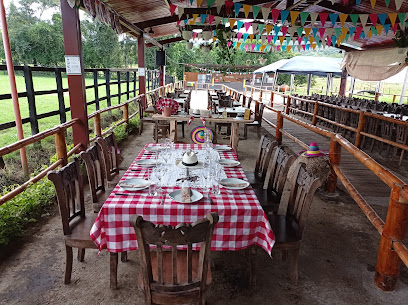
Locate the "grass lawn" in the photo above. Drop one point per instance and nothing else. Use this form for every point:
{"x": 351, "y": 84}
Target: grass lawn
{"x": 47, "y": 103}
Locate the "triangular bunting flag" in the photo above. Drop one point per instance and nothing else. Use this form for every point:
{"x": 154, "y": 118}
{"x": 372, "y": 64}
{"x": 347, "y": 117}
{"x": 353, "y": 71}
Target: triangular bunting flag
{"x": 334, "y": 39}
{"x": 275, "y": 37}
{"x": 268, "y": 28}
{"x": 255, "y": 10}
{"x": 214, "y": 39}
{"x": 172, "y": 9}
{"x": 199, "y": 3}
{"x": 203, "y": 17}
{"x": 344, "y": 31}
{"x": 239, "y": 35}
{"x": 261, "y": 27}
{"x": 231, "y": 22}
{"x": 247, "y": 26}
{"x": 333, "y": 18}
{"x": 303, "y": 17}
{"x": 358, "y": 2}
{"x": 269, "y": 37}
{"x": 220, "y": 3}
{"x": 351, "y": 31}
{"x": 191, "y": 2}
{"x": 253, "y": 46}
{"x": 281, "y": 39}
{"x": 363, "y": 19}
{"x": 224, "y": 21}
{"x": 246, "y": 36}
{"x": 311, "y": 39}
{"x": 330, "y": 31}
{"x": 315, "y": 30}
{"x": 265, "y": 13}
{"x": 288, "y": 48}
{"x": 359, "y": 29}
{"x": 277, "y": 48}
{"x": 247, "y": 8}
{"x": 210, "y": 2}
{"x": 180, "y": 11}
{"x": 263, "y": 39}
{"x": 366, "y": 30}
{"x": 323, "y": 17}
{"x": 379, "y": 28}
{"x": 321, "y": 32}
{"x": 307, "y": 31}
{"x": 195, "y": 16}
{"x": 382, "y": 18}
{"x": 275, "y": 15}
{"x": 284, "y": 30}
{"x": 239, "y": 24}
{"x": 284, "y": 15}
{"x": 387, "y": 28}
{"x": 354, "y": 18}
{"x": 228, "y": 6}
{"x": 387, "y": 2}
{"x": 373, "y": 18}
{"x": 373, "y": 30}
{"x": 395, "y": 27}
{"x": 254, "y": 27}
{"x": 393, "y": 18}
{"x": 217, "y": 20}
{"x": 283, "y": 48}
{"x": 343, "y": 18}
{"x": 313, "y": 17}
{"x": 293, "y": 16}
{"x": 299, "y": 31}
{"x": 178, "y": 22}
{"x": 401, "y": 17}
{"x": 238, "y": 45}
{"x": 398, "y": 4}
{"x": 237, "y": 7}
{"x": 262, "y": 48}
{"x": 337, "y": 31}
{"x": 291, "y": 31}
{"x": 373, "y": 3}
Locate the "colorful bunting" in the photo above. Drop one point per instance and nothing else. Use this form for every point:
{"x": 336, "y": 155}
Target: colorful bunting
{"x": 203, "y": 18}
{"x": 373, "y": 18}
{"x": 373, "y": 3}
{"x": 265, "y": 12}
{"x": 247, "y": 26}
{"x": 284, "y": 30}
{"x": 313, "y": 17}
{"x": 393, "y": 18}
{"x": 284, "y": 15}
{"x": 247, "y": 8}
{"x": 303, "y": 17}
{"x": 237, "y": 7}
{"x": 398, "y": 4}
{"x": 239, "y": 25}
{"x": 255, "y": 10}
{"x": 211, "y": 18}
{"x": 172, "y": 9}
{"x": 343, "y": 18}
{"x": 293, "y": 16}
{"x": 228, "y": 6}
{"x": 275, "y": 15}
{"x": 363, "y": 19}
{"x": 261, "y": 27}
{"x": 333, "y": 18}
{"x": 199, "y": 3}
{"x": 323, "y": 17}
{"x": 210, "y": 3}
{"x": 354, "y": 18}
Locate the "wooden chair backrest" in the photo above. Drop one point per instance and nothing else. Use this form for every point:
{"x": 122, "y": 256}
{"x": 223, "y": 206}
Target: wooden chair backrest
{"x": 303, "y": 188}
{"x": 95, "y": 168}
{"x": 110, "y": 152}
{"x": 249, "y": 102}
{"x": 141, "y": 108}
{"x": 259, "y": 113}
{"x": 265, "y": 149}
{"x": 278, "y": 170}
{"x": 401, "y": 134}
{"x": 148, "y": 234}
{"x": 225, "y": 103}
{"x": 69, "y": 189}
{"x": 386, "y": 129}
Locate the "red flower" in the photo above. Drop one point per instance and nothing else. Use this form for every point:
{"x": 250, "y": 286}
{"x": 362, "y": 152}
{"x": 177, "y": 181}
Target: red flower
{"x": 167, "y": 102}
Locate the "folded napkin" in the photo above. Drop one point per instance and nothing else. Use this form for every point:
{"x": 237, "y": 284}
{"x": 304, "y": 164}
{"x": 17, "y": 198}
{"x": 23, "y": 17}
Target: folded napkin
{"x": 234, "y": 184}
{"x": 148, "y": 161}
{"x": 185, "y": 194}
{"x": 134, "y": 185}
{"x": 228, "y": 163}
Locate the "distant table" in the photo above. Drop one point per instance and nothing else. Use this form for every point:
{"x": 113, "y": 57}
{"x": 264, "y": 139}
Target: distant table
{"x": 232, "y": 111}
{"x": 235, "y": 103}
{"x": 180, "y": 101}
{"x": 234, "y": 125}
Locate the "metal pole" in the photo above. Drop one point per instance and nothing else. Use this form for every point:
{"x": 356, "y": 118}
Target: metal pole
{"x": 309, "y": 83}
{"x": 262, "y": 79}
{"x": 327, "y": 83}
{"x": 12, "y": 79}
{"x": 404, "y": 85}
{"x": 292, "y": 81}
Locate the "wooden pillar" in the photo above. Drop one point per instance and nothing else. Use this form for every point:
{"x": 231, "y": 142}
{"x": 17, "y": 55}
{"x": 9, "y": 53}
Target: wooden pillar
{"x": 360, "y": 128}
{"x": 343, "y": 83}
{"x": 395, "y": 228}
{"x": 309, "y": 83}
{"x": 162, "y": 76}
{"x": 287, "y": 109}
{"x": 97, "y": 125}
{"x": 76, "y": 82}
{"x": 142, "y": 70}
{"x": 316, "y": 109}
{"x": 126, "y": 115}
{"x": 334, "y": 156}
{"x": 61, "y": 146}
{"x": 292, "y": 82}
{"x": 279, "y": 125}
{"x": 272, "y": 93}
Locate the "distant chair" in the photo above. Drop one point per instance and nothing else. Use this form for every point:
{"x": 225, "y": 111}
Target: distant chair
{"x": 142, "y": 118}
{"x": 176, "y": 276}
{"x": 257, "y": 122}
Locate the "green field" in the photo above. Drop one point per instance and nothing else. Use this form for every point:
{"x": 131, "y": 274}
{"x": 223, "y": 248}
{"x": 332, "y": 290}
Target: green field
{"x": 46, "y": 103}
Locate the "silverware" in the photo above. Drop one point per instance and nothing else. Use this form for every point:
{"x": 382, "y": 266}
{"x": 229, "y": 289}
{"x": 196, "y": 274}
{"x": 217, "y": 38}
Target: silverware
{"x": 162, "y": 200}
{"x": 136, "y": 169}
{"x": 210, "y": 199}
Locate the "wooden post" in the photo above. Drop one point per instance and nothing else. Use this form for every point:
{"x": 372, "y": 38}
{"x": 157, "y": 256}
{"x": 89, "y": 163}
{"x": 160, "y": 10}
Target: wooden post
{"x": 316, "y": 109}
{"x": 279, "y": 125}
{"x": 60, "y": 90}
{"x": 32, "y": 109}
{"x": 107, "y": 84}
{"x": 343, "y": 83}
{"x": 334, "y": 156}
{"x": 252, "y": 92}
{"x": 61, "y": 146}
{"x": 360, "y": 128}
{"x": 260, "y": 95}
{"x": 377, "y": 96}
{"x": 97, "y": 125}
{"x": 395, "y": 228}
{"x": 126, "y": 115}
{"x": 76, "y": 83}
{"x": 96, "y": 89}
{"x": 142, "y": 70}
{"x": 287, "y": 104}
{"x": 173, "y": 130}
{"x": 272, "y": 96}
{"x": 393, "y": 98}
{"x": 235, "y": 136}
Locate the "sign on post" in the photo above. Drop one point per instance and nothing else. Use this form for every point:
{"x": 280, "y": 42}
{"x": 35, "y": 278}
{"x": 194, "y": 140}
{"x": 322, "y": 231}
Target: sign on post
{"x": 73, "y": 65}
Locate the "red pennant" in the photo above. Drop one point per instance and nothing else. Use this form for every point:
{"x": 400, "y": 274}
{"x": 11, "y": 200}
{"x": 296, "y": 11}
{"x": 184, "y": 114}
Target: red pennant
{"x": 172, "y": 9}
{"x": 299, "y": 39}
{"x": 358, "y": 32}
{"x": 373, "y": 18}
{"x": 284, "y": 30}
{"x": 328, "y": 41}
{"x": 211, "y": 18}
{"x": 275, "y": 15}
{"x": 321, "y": 31}
{"x": 395, "y": 27}
{"x": 228, "y": 5}
{"x": 323, "y": 17}
{"x": 304, "y": 47}
{"x": 178, "y": 22}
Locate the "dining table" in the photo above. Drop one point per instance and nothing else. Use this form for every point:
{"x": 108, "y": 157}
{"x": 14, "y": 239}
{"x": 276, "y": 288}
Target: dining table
{"x": 242, "y": 221}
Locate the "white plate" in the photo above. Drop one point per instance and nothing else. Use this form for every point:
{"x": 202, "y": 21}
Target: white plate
{"x": 135, "y": 181}
{"x": 199, "y": 165}
{"x": 239, "y": 118}
{"x": 222, "y": 147}
{"x": 195, "y": 196}
{"x": 235, "y": 181}
{"x": 146, "y": 162}
{"x": 154, "y": 148}
{"x": 228, "y": 162}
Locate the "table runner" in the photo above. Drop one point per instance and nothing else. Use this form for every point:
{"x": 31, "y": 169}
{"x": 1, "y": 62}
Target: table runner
{"x": 242, "y": 221}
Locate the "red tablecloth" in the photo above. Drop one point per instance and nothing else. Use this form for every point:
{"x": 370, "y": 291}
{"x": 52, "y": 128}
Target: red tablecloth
{"x": 242, "y": 221}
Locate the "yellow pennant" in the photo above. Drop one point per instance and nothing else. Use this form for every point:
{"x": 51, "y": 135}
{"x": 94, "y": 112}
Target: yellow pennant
{"x": 293, "y": 16}
{"x": 344, "y": 31}
{"x": 281, "y": 39}
{"x": 214, "y": 39}
{"x": 231, "y": 22}
{"x": 393, "y": 17}
{"x": 288, "y": 48}
{"x": 379, "y": 28}
{"x": 238, "y": 45}
{"x": 373, "y": 3}
{"x": 251, "y": 37}
{"x": 313, "y": 46}
{"x": 195, "y": 16}
{"x": 199, "y": 3}
{"x": 192, "y": 22}
{"x": 369, "y": 34}
{"x": 307, "y": 31}
{"x": 269, "y": 29}
{"x": 343, "y": 18}
{"x": 262, "y": 48}
{"x": 246, "y": 9}
{"x": 311, "y": 39}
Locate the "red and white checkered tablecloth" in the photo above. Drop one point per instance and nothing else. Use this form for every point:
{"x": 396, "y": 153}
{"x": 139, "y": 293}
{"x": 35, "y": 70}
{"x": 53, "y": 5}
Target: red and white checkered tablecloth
{"x": 242, "y": 221}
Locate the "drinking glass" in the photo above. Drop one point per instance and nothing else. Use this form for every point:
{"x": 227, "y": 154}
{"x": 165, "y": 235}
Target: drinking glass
{"x": 152, "y": 186}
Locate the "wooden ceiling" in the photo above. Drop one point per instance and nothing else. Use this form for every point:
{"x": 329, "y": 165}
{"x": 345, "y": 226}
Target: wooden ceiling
{"x": 155, "y": 14}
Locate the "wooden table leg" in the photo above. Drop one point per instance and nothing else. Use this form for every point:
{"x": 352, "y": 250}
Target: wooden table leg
{"x": 173, "y": 130}
{"x": 252, "y": 265}
{"x": 113, "y": 270}
{"x": 235, "y": 136}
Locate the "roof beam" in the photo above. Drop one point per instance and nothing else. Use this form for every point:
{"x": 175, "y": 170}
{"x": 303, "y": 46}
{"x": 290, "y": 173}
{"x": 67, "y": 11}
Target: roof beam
{"x": 165, "y": 41}
{"x": 340, "y": 8}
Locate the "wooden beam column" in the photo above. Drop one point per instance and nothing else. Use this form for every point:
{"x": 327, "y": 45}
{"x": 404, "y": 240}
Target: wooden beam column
{"x": 343, "y": 83}
{"x": 76, "y": 81}
{"x": 141, "y": 65}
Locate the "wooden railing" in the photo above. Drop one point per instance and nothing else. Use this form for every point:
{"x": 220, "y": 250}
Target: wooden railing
{"x": 60, "y": 140}
{"x": 394, "y": 229}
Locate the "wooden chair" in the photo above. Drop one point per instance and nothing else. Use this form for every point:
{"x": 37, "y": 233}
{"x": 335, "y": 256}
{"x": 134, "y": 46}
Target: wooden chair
{"x": 370, "y": 127}
{"x": 176, "y": 276}
{"x": 76, "y": 224}
{"x": 95, "y": 168}
{"x": 257, "y": 122}
{"x": 257, "y": 177}
{"x": 270, "y": 195}
{"x": 161, "y": 130}
{"x": 401, "y": 137}
{"x": 289, "y": 228}
{"x": 142, "y": 118}
{"x": 386, "y": 133}
{"x": 111, "y": 157}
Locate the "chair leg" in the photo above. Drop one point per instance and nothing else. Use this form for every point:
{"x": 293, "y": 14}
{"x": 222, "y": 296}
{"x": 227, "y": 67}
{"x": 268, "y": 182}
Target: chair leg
{"x": 182, "y": 129}
{"x": 252, "y": 265}
{"x": 123, "y": 256}
{"x": 293, "y": 271}
{"x": 258, "y": 129}
{"x": 245, "y": 131}
{"x": 68, "y": 264}
{"x": 402, "y": 156}
{"x": 113, "y": 270}
{"x": 81, "y": 254}
{"x": 140, "y": 127}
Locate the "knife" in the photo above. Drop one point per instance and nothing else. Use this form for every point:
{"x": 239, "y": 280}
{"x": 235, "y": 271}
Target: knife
{"x": 211, "y": 201}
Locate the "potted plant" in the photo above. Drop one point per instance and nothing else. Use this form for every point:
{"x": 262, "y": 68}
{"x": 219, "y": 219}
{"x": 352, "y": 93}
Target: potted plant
{"x": 167, "y": 106}
{"x": 187, "y": 33}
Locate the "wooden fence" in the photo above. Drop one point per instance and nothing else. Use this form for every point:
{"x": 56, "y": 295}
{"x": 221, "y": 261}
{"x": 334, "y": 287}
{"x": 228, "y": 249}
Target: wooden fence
{"x": 60, "y": 139}
{"x": 394, "y": 230}
{"x": 111, "y": 77}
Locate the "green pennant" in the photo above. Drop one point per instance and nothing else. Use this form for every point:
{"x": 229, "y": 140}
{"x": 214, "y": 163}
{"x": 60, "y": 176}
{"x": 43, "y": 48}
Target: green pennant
{"x": 401, "y": 17}
{"x": 210, "y": 2}
{"x": 387, "y": 2}
{"x": 337, "y": 31}
{"x": 354, "y": 18}
{"x": 319, "y": 44}
{"x": 261, "y": 27}
{"x": 288, "y": 40}
{"x": 303, "y": 17}
{"x": 299, "y": 31}
{"x": 347, "y": 37}
{"x": 224, "y": 21}
{"x": 255, "y": 10}
{"x": 374, "y": 31}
